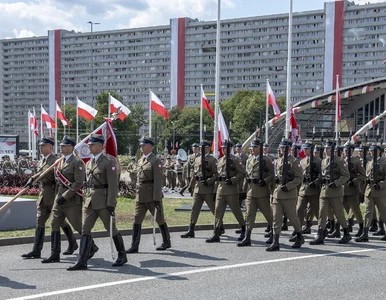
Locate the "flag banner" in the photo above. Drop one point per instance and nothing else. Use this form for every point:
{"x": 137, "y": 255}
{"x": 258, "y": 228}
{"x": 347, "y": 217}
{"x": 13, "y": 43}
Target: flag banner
{"x": 50, "y": 123}
{"x": 34, "y": 123}
{"x": 60, "y": 116}
{"x": 205, "y": 104}
{"x": 272, "y": 100}
{"x": 223, "y": 133}
{"x": 117, "y": 108}
{"x": 86, "y": 111}
{"x": 158, "y": 106}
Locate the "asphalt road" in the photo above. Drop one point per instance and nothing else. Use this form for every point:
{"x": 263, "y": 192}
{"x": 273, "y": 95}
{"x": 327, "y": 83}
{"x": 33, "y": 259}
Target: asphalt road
{"x": 192, "y": 269}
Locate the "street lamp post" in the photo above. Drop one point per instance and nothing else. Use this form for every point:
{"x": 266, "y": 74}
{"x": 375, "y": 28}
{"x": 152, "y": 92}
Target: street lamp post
{"x": 92, "y": 68}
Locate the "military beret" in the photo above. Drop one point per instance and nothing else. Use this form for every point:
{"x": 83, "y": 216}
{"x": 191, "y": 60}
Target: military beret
{"x": 307, "y": 145}
{"x": 67, "y": 141}
{"x": 239, "y": 145}
{"x": 96, "y": 139}
{"x": 147, "y": 140}
{"x": 204, "y": 143}
{"x": 195, "y": 145}
{"x": 285, "y": 142}
{"x": 265, "y": 145}
{"x": 225, "y": 144}
{"x": 255, "y": 143}
{"x": 317, "y": 149}
{"x": 47, "y": 140}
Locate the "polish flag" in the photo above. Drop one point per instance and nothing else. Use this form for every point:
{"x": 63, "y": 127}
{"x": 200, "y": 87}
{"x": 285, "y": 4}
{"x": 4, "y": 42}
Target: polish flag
{"x": 205, "y": 103}
{"x": 86, "y": 111}
{"x": 158, "y": 106}
{"x": 271, "y": 100}
{"x": 50, "y": 123}
{"x": 60, "y": 116}
{"x": 34, "y": 123}
{"x": 118, "y": 108}
{"x": 223, "y": 133}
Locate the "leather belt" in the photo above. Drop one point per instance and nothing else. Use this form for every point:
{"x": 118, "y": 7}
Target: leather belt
{"x": 253, "y": 180}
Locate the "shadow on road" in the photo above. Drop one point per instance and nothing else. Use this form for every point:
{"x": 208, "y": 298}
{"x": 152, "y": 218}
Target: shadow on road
{"x": 6, "y": 282}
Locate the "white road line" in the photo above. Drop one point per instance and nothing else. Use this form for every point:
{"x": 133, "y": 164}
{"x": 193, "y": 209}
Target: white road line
{"x": 182, "y": 273}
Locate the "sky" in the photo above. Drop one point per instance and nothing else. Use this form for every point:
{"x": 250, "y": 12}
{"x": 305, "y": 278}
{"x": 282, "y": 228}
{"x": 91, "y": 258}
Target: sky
{"x": 35, "y": 17}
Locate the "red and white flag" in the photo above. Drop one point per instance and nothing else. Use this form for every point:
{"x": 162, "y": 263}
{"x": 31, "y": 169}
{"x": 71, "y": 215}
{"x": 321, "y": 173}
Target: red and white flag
{"x": 271, "y": 100}
{"x": 294, "y": 125}
{"x": 158, "y": 106}
{"x": 118, "y": 108}
{"x": 223, "y": 133}
{"x": 110, "y": 145}
{"x": 60, "y": 116}
{"x": 86, "y": 111}
{"x": 205, "y": 103}
{"x": 34, "y": 123}
{"x": 50, "y": 123}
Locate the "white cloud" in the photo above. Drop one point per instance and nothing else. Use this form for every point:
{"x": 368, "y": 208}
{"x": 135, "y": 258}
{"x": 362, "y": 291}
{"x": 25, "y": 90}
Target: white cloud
{"x": 23, "y": 33}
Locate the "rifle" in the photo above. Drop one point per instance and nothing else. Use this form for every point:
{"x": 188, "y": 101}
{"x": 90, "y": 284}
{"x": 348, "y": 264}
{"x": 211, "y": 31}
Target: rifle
{"x": 228, "y": 161}
{"x": 203, "y": 163}
{"x": 284, "y": 173}
{"x": 261, "y": 162}
{"x": 332, "y": 163}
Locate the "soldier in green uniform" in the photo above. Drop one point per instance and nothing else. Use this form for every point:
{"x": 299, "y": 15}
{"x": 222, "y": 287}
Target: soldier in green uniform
{"x": 99, "y": 202}
{"x": 45, "y": 201}
{"x": 289, "y": 175}
{"x": 170, "y": 174}
{"x": 70, "y": 176}
{"x": 242, "y": 187}
{"x": 178, "y": 171}
{"x": 132, "y": 169}
{"x": 149, "y": 196}
{"x": 189, "y": 165}
{"x": 375, "y": 192}
{"x": 228, "y": 192}
{"x": 260, "y": 173}
{"x": 334, "y": 175}
{"x": 22, "y": 165}
{"x": 310, "y": 189}
{"x": 205, "y": 178}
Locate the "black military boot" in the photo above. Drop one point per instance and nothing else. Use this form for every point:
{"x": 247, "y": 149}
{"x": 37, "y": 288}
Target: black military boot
{"x": 165, "y": 237}
{"x": 55, "y": 248}
{"x": 72, "y": 244}
{"x": 293, "y": 237}
{"x": 270, "y": 238}
{"x": 383, "y": 238}
{"x": 275, "y": 246}
{"x": 238, "y": 231}
{"x": 268, "y": 231}
{"x": 332, "y": 227}
{"x": 381, "y": 230}
{"x": 307, "y": 228}
{"x": 299, "y": 240}
{"x": 284, "y": 227}
{"x": 319, "y": 240}
{"x": 374, "y": 225}
{"x": 215, "y": 238}
{"x": 84, "y": 253}
{"x": 246, "y": 241}
{"x": 120, "y": 246}
{"x": 328, "y": 224}
{"x": 38, "y": 244}
{"x": 364, "y": 237}
{"x": 242, "y": 235}
{"x": 222, "y": 229}
{"x": 336, "y": 233}
{"x": 350, "y": 224}
{"x": 190, "y": 233}
{"x": 360, "y": 231}
{"x": 135, "y": 239}
{"x": 346, "y": 236}
{"x": 94, "y": 249}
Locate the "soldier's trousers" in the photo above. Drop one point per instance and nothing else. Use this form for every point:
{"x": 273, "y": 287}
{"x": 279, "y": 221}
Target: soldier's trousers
{"x": 181, "y": 182}
{"x": 337, "y": 209}
{"x": 310, "y": 214}
{"x": 370, "y": 203}
{"x": 251, "y": 206}
{"x": 72, "y": 213}
{"x": 302, "y": 206}
{"x": 287, "y": 206}
{"x": 142, "y": 207}
{"x": 221, "y": 204}
{"x": 171, "y": 183}
{"x": 42, "y": 215}
{"x": 90, "y": 216}
{"x": 353, "y": 203}
{"x": 198, "y": 201}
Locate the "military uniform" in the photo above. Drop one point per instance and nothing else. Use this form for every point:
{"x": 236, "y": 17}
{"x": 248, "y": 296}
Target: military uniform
{"x": 178, "y": 170}
{"x": 149, "y": 197}
{"x": 22, "y": 165}
{"x": 242, "y": 186}
{"x": 203, "y": 188}
{"x": 170, "y": 174}
{"x": 132, "y": 169}
{"x": 7, "y": 167}
{"x": 190, "y": 180}
{"x": 228, "y": 194}
{"x": 258, "y": 192}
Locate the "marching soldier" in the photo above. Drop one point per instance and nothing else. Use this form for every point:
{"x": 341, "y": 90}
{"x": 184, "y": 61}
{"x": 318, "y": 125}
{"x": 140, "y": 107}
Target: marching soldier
{"x": 70, "y": 175}
{"x": 7, "y": 165}
{"x": 205, "y": 175}
{"x": 22, "y": 165}
{"x": 375, "y": 192}
{"x": 289, "y": 176}
{"x": 189, "y": 165}
{"x": 178, "y": 171}
{"x": 228, "y": 191}
{"x": 132, "y": 169}
{"x": 170, "y": 174}
{"x": 334, "y": 175}
{"x": 242, "y": 187}
{"x": 100, "y": 202}
{"x": 149, "y": 196}
{"x": 259, "y": 175}
{"x": 310, "y": 189}
{"x": 45, "y": 201}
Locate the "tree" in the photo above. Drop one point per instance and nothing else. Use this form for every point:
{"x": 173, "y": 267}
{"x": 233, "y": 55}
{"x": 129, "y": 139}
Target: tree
{"x": 70, "y": 112}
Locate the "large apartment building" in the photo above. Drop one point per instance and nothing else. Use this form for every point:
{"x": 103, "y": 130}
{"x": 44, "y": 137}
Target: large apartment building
{"x": 173, "y": 60}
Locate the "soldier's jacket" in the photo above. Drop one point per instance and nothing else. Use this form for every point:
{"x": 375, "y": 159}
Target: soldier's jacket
{"x": 357, "y": 176}
{"x": 236, "y": 173}
{"x": 340, "y": 175}
{"x": 7, "y": 165}
{"x": 381, "y": 174}
{"x": 362, "y": 185}
{"x": 178, "y": 168}
{"x": 47, "y": 183}
{"x": 185, "y": 172}
{"x": 101, "y": 183}
{"x": 74, "y": 170}
{"x": 243, "y": 157}
{"x": 294, "y": 175}
{"x": 210, "y": 175}
{"x": 23, "y": 164}
{"x": 305, "y": 189}
{"x": 169, "y": 166}
{"x": 190, "y": 164}
{"x": 149, "y": 179}
{"x": 253, "y": 175}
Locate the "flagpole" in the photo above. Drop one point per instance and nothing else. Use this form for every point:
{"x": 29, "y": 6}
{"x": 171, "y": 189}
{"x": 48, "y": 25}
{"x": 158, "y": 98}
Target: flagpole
{"x": 77, "y": 121}
{"x": 108, "y": 109}
{"x": 149, "y": 112}
{"x": 266, "y": 114}
{"x": 64, "y": 111}
{"x": 289, "y": 66}
{"x": 217, "y": 80}
{"x": 29, "y": 134}
{"x": 56, "y": 128}
{"x": 337, "y": 108}
{"x": 41, "y": 121}
{"x": 201, "y": 121}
